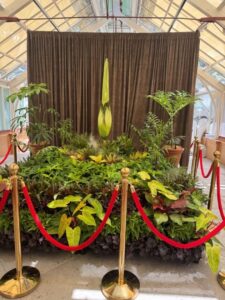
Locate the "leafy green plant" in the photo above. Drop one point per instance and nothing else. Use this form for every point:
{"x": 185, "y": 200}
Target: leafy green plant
{"x": 172, "y": 103}
{"x": 65, "y": 131}
{"x": 79, "y": 209}
{"x": 30, "y": 117}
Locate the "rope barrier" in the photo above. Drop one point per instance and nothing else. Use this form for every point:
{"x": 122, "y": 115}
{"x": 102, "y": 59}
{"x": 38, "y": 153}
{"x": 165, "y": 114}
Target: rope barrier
{"x": 25, "y": 149}
{"x": 7, "y": 154}
{"x": 191, "y": 145}
{"x": 219, "y": 199}
{"x": 4, "y": 200}
{"x": 168, "y": 240}
{"x": 56, "y": 243}
{"x": 201, "y": 166}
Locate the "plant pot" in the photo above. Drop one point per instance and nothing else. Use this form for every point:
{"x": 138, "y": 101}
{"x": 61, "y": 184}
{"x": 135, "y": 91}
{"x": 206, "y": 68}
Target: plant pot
{"x": 174, "y": 154}
{"x": 34, "y": 148}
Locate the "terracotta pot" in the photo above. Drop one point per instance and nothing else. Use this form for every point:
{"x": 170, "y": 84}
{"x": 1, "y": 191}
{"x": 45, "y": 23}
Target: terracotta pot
{"x": 34, "y": 148}
{"x": 174, "y": 154}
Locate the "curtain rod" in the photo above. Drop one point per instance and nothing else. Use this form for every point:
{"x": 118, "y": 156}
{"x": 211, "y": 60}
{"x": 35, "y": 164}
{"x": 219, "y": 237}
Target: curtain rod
{"x": 205, "y": 19}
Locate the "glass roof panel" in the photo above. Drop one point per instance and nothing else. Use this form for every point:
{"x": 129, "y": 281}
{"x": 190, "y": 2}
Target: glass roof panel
{"x": 215, "y": 3}
{"x": 210, "y": 51}
{"x": 11, "y": 66}
{"x": 6, "y": 3}
{"x": 28, "y": 11}
{"x": 62, "y": 4}
{"x": 21, "y": 48}
{"x": 45, "y": 3}
{"x": 7, "y": 29}
{"x": 4, "y": 60}
{"x": 12, "y": 41}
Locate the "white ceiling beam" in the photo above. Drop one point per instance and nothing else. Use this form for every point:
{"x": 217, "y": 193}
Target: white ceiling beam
{"x": 17, "y": 81}
{"x": 208, "y": 9}
{"x": 211, "y": 81}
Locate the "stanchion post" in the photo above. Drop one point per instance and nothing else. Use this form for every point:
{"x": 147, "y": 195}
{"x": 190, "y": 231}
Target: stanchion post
{"x": 213, "y": 178}
{"x": 194, "y": 155}
{"x": 121, "y": 284}
{"x": 196, "y": 158}
{"x": 14, "y": 144}
{"x": 21, "y": 280}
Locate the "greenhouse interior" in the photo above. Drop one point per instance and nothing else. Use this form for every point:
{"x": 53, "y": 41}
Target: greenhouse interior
{"x": 112, "y": 149}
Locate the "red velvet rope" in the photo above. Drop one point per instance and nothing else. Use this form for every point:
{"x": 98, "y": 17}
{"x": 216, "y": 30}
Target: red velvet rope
{"x": 25, "y": 149}
{"x": 201, "y": 166}
{"x": 219, "y": 199}
{"x": 4, "y": 200}
{"x": 168, "y": 240}
{"x": 61, "y": 246}
{"x": 7, "y": 154}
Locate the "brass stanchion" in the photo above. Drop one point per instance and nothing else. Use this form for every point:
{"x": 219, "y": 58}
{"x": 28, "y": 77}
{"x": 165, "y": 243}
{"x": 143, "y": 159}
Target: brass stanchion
{"x": 121, "y": 284}
{"x": 21, "y": 280}
{"x": 14, "y": 143}
{"x": 194, "y": 155}
{"x": 196, "y": 158}
{"x": 213, "y": 178}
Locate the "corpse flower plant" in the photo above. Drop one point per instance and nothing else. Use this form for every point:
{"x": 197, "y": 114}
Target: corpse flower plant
{"x": 105, "y": 115}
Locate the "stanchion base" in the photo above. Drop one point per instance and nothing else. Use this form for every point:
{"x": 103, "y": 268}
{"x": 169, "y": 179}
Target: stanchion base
{"x": 13, "y": 287}
{"x": 114, "y": 291}
{"x": 221, "y": 279}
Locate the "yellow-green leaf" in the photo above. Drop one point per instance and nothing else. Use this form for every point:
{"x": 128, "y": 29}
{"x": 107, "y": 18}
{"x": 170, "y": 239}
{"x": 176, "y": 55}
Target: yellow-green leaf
{"x": 89, "y": 210}
{"x": 73, "y": 235}
{"x": 87, "y": 219}
{"x": 72, "y": 198}
{"x": 202, "y": 221}
{"x": 64, "y": 222}
{"x": 213, "y": 253}
{"x": 160, "y": 217}
{"x": 58, "y": 203}
{"x": 96, "y": 204}
{"x": 101, "y": 217}
{"x": 176, "y": 218}
{"x": 105, "y": 83}
{"x": 97, "y": 158}
{"x": 144, "y": 175}
{"x": 79, "y": 206}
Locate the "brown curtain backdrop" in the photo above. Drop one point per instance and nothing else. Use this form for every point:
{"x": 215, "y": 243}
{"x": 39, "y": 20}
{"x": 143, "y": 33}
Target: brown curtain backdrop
{"x": 139, "y": 64}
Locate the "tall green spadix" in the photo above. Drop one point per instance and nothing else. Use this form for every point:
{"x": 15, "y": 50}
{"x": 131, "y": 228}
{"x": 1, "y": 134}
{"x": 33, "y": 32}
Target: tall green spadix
{"x": 105, "y": 115}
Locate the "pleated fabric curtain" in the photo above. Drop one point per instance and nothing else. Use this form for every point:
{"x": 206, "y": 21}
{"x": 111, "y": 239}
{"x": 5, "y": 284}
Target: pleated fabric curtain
{"x": 71, "y": 64}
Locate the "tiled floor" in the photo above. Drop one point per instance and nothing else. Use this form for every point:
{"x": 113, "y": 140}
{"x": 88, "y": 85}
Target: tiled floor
{"x": 64, "y": 274}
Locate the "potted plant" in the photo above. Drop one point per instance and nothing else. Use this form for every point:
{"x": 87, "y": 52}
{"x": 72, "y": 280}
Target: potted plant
{"x": 173, "y": 102}
{"x": 28, "y": 117}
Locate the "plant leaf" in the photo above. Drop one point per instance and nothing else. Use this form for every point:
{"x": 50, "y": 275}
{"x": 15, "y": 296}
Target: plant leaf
{"x": 144, "y": 175}
{"x": 89, "y": 210}
{"x": 202, "y": 221}
{"x": 58, "y": 203}
{"x": 101, "y": 217}
{"x": 72, "y": 198}
{"x": 73, "y": 235}
{"x": 160, "y": 217}
{"x": 96, "y": 204}
{"x": 98, "y": 158}
{"x": 176, "y": 218}
{"x": 87, "y": 219}
{"x": 64, "y": 222}
{"x": 213, "y": 253}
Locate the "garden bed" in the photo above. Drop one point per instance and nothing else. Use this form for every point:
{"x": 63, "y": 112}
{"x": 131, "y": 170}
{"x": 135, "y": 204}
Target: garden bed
{"x": 168, "y": 195}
